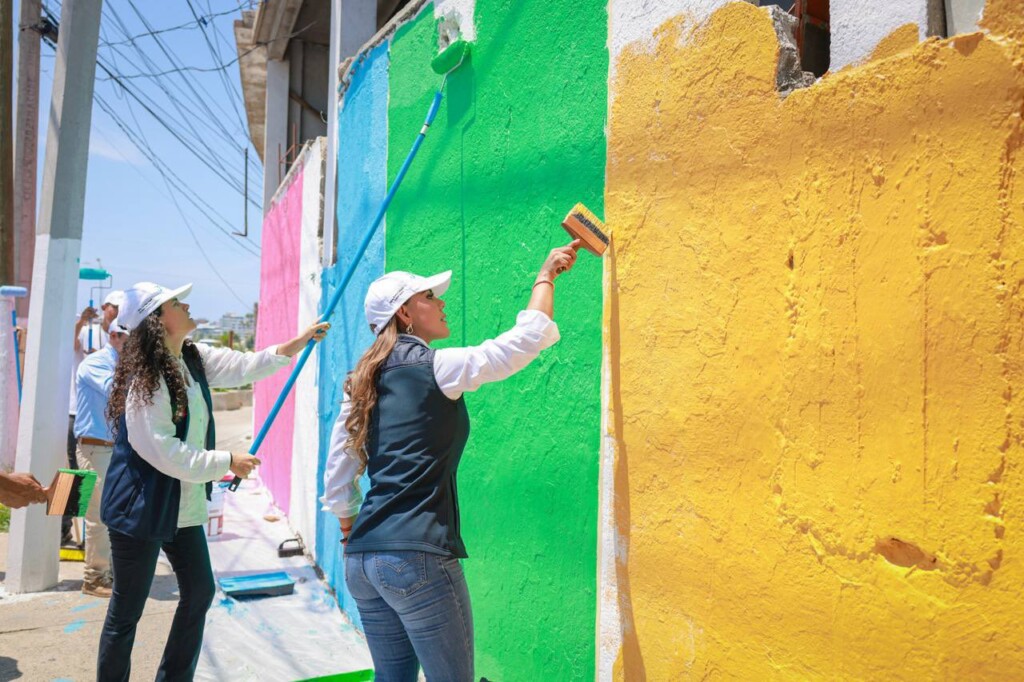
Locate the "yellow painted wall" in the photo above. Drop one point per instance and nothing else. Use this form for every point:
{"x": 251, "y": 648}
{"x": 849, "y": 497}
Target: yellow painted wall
{"x": 817, "y": 358}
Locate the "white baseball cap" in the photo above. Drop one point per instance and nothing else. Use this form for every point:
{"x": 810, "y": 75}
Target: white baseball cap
{"x": 115, "y": 297}
{"x": 142, "y": 299}
{"x": 116, "y": 327}
{"x": 387, "y": 294}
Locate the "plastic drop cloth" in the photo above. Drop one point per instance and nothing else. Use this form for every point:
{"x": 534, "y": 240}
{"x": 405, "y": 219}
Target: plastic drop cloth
{"x": 291, "y": 637}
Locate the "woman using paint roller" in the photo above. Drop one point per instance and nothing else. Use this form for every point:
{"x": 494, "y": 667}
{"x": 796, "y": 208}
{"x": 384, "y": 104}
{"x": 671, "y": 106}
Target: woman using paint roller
{"x": 404, "y": 420}
{"x": 162, "y": 464}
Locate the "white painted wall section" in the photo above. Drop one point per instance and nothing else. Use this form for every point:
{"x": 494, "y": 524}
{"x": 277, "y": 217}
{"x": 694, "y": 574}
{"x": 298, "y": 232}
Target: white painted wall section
{"x": 858, "y": 26}
{"x": 632, "y": 23}
{"x": 42, "y": 430}
{"x": 457, "y": 13}
{"x": 306, "y": 438}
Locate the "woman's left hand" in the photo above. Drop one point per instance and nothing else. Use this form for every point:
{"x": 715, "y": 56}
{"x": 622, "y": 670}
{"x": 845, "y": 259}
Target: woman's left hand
{"x": 316, "y": 332}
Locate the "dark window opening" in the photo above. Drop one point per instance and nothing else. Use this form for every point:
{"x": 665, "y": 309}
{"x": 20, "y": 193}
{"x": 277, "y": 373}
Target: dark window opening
{"x": 812, "y": 35}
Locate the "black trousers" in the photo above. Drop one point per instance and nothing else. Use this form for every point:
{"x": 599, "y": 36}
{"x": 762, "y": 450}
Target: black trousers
{"x": 134, "y": 564}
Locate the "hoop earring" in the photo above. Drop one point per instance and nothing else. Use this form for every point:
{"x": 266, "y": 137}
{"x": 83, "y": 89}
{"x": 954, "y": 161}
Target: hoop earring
{"x": 408, "y": 328}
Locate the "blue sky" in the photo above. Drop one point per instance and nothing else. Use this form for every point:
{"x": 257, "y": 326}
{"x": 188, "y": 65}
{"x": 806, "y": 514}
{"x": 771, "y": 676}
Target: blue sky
{"x": 135, "y": 226}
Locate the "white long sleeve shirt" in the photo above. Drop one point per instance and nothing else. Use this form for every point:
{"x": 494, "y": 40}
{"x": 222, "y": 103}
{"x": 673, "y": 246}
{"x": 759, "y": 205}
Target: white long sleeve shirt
{"x": 151, "y": 430}
{"x": 457, "y": 371}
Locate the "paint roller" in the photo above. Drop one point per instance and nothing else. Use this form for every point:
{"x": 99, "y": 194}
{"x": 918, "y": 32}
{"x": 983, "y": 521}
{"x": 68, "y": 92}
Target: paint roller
{"x": 451, "y": 57}
{"x": 15, "y": 292}
{"x": 95, "y": 274}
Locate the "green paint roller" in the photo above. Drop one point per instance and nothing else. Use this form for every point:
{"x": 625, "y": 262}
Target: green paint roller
{"x": 450, "y": 57}
{"x": 94, "y": 274}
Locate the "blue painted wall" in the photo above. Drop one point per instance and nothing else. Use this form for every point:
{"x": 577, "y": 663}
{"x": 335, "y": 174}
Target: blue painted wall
{"x": 362, "y": 167}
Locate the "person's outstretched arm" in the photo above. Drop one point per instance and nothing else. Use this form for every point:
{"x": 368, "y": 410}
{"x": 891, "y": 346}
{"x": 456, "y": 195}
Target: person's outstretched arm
{"x": 459, "y": 370}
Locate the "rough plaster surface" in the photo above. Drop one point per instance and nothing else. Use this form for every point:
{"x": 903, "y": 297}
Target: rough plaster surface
{"x": 857, "y": 26}
{"x": 362, "y": 163}
{"x": 633, "y": 23}
{"x": 498, "y": 171}
{"x": 277, "y": 321}
{"x": 815, "y": 341}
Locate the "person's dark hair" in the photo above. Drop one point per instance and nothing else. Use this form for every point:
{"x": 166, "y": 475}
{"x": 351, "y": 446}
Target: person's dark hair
{"x": 143, "y": 360}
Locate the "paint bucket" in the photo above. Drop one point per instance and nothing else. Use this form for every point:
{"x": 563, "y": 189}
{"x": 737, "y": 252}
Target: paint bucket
{"x": 215, "y": 512}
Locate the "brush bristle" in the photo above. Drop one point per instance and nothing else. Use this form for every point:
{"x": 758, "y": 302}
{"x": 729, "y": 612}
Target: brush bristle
{"x": 590, "y": 221}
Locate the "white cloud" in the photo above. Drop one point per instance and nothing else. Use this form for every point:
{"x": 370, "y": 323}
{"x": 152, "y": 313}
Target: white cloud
{"x": 115, "y": 147}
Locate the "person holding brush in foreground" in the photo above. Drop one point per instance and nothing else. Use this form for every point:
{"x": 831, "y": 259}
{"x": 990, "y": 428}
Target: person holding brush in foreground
{"x": 404, "y": 419}
{"x": 162, "y": 464}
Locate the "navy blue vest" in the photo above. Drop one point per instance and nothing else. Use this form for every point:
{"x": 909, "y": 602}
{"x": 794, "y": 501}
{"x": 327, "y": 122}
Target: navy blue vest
{"x": 414, "y": 444}
{"x": 138, "y": 500}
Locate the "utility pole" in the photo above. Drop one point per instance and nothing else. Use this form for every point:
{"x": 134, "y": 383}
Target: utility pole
{"x": 33, "y": 554}
{"x": 26, "y": 142}
{"x": 6, "y": 139}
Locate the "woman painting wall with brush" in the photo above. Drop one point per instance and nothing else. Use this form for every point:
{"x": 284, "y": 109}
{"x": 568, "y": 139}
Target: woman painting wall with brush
{"x": 404, "y": 419}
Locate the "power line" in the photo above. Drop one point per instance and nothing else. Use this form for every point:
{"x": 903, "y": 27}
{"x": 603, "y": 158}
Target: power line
{"x": 151, "y": 108}
{"x": 215, "y": 53}
{"x": 186, "y": 25}
{"x": 170, "y": 177}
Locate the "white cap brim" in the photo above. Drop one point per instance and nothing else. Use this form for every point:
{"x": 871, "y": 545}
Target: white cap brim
{"x": 438, "y": 283}
{"x": 181, "y": 293}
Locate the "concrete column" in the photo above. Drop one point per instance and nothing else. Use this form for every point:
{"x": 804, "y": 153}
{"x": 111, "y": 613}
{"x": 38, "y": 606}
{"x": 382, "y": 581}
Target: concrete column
{"x": 275, "y": 131}
{"x": 33, "y": 555}
{"x": 353, "y": 23}
{"x": 26, "y": 136}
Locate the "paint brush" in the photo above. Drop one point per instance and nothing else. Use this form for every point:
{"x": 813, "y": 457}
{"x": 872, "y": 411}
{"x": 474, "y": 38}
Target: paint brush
{"x": 582, "y": 224}
{"x": 70, "y": 492}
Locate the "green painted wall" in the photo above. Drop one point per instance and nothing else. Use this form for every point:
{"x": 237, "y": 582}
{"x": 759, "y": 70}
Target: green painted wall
{"x": 519, "y": 139}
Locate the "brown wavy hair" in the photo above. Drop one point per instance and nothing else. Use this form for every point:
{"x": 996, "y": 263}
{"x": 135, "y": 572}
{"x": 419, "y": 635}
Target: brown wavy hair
{"x": 361, "y": 387}
{"x": 144, "y": 359}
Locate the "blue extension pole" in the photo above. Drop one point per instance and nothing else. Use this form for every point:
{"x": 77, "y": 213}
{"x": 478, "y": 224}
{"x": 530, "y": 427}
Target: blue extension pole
{"x": 349, "y": 272}
{"x": 17, "y": 352}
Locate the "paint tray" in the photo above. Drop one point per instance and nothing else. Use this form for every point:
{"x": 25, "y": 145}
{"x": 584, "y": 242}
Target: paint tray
{"x": 274, "y": 584}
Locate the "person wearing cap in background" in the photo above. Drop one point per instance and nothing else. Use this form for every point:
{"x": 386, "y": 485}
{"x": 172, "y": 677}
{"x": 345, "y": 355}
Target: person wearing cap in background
{"x": 95, "y": 445}
{"x": 85, "y": 346}
{"x": 404, "y": 419}
{"x": 162, "y": 465}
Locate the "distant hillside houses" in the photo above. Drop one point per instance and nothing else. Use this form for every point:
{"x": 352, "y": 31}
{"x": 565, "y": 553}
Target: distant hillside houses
{"x": 216, "y": 333}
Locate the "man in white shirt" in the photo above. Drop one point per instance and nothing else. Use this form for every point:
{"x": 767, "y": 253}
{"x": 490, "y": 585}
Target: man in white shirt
{"x": 94, "y": 378}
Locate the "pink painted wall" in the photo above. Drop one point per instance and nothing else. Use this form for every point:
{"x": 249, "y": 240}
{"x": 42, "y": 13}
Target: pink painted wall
{"x": 277, "y": 321}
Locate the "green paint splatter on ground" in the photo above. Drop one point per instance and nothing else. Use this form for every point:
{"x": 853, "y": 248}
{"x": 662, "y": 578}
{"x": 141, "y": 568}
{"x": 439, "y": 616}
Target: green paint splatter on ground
{"x": 519, "y": 139}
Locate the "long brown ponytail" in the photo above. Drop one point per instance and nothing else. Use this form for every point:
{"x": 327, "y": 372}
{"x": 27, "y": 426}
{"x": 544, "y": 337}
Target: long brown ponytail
{"x": 361, "y": 387}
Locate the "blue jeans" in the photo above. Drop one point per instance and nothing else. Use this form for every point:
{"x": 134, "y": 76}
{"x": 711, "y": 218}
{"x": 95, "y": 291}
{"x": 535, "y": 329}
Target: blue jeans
{"x": 415, "y": 611}
{"x": 134, "y": 564}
